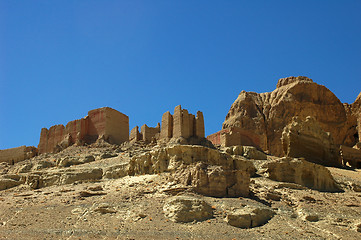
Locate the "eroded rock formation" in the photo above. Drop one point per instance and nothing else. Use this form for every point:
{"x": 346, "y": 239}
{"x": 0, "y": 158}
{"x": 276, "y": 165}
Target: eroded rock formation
{"x": 350, "y": 156}
{"x": 261, "y": 118}
{"x": 208, "y": 171}
{"x": 299, "y": 171}
{"x": 307, "y": 139}
{"x": 187, "y": 209}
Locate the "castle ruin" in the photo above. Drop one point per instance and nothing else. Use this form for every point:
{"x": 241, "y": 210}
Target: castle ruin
{"x": 179, "y": 125}
{"x": 102, "y": 122}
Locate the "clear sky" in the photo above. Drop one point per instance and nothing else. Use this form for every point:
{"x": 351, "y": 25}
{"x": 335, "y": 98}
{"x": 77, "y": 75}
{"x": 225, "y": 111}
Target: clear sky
{"x": 60, "y": 59}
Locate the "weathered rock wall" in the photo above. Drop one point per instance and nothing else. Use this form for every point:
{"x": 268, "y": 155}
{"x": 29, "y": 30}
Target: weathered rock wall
{"x": 99, "y": 122}
{"x": 14, "y": 155}
{"x": 182, "y": 124}
{"x": 135, "y": 135}
{"x": 356, "y": 109}
{"x": 167, "y": 126}
{"x": 208, "y": 171}
{"x": 179, "y": 125}
{"x": 149, "y": 133}
{"x": 350, "y": 156}
{"x": 299, "y": 171}
{"x": 116, "y": 126}
{"x": 305, "y": 138}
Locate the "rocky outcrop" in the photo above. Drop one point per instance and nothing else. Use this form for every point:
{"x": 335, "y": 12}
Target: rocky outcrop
{"x": 299, "y": 171}
{"x": 247, "y": 152}
{"x": 356, "y": 110}
{"x": 106, "y": 122}
{"x": 350, "y": 156}
{"x": 215, "y": 181}
{"x": 14, "y": 155}
{"x": 62, "y": 176}
{"x": 69, "y": 161}
{"x": 262, "y": 117}
{"x": 307, "y": 139}
{"x": 248, "y": 216}
{"x": 187, "y": 209}
{"x": 10, "y": 180}
{"x": 208, "y": 171}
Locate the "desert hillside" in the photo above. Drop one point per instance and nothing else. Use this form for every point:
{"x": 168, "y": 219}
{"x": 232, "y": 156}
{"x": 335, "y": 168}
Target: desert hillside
{"x": 285, "y": 165}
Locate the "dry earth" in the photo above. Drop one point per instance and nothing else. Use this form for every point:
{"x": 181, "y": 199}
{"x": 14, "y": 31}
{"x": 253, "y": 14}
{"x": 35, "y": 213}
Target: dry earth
{"x": 131, "y": 207}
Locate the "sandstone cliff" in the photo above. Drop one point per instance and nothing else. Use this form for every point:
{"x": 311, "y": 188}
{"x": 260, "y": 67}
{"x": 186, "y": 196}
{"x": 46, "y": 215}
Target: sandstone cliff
{"x": 263, "y": 116}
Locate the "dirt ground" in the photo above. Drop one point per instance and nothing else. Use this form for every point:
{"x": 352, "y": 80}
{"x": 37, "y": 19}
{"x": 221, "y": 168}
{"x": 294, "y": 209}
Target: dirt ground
{"x": 131, "y": 207}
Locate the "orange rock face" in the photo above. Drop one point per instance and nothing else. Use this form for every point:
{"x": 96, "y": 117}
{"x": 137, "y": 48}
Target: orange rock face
{"x": 99, "y": 122}
{"x": 263, "y": 116}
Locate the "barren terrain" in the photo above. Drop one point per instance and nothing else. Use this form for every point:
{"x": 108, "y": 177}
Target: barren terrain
{"x": 132, "y": 207}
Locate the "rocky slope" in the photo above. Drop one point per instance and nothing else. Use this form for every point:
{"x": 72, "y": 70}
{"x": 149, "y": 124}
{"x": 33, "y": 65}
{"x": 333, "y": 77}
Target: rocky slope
{"x": 139, "y": 191}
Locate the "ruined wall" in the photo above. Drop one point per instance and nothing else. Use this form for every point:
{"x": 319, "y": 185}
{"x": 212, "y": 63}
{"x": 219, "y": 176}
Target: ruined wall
{"x": 49, "y": 139}
{"x": 102, "y": 121}
{"x": 182, "y": 124}
{"x": 167, "y": 126}
{"x": 77, "y": 129}
{"x": 14, "y": 155}
{"x": 117, "y": 126}
{"x": 230, "y": 139}
{"x": 234, "y": 136}
{"x": 149, "y": 133}
{"x": 215, "y": 138}
{"x": 187, "y": 125}
{"x": 178, "y": 128}
{"x": 135, "y": 135}
{"x": 199, "y": 125}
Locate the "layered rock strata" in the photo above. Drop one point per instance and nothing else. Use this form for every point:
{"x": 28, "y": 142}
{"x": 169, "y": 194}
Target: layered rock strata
{"x": 307, "y": 139}
{"x": 299, "y": 171}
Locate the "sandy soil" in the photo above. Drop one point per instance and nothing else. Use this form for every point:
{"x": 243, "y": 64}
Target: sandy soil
{"x": 132, "y": 208}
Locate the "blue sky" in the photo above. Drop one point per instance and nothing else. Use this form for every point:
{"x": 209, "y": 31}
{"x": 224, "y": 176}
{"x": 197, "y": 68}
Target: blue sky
{"x": 60, "y": 59}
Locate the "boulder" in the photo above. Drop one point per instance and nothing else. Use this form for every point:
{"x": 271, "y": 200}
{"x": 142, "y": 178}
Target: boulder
{"x": 308, "y": 140}
{"x": 262, "y": 117}
{"x": 249, "y": 217}
{"x": 103, "y": 208}
{"x": 249, "y": 152}
{"x": 187, "y": 209}
{"x": 301, "y": 172}
{"x": 116, "y": 171}
{"x": 6, "y": 183}
{"x": 252, "y": 153}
